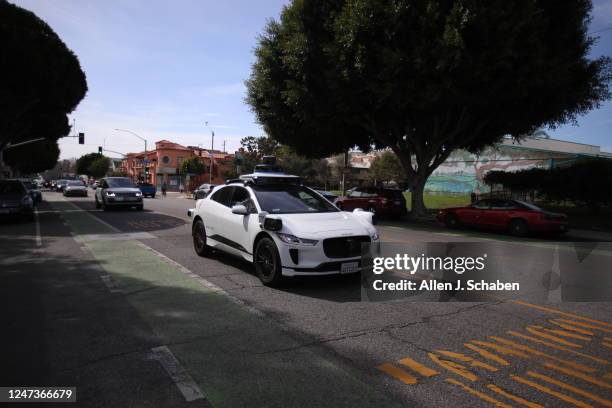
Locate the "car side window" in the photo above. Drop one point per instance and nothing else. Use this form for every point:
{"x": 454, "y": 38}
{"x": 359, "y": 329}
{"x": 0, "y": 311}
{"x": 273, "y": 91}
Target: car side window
{"x": 240, "y": 196}
{"x": 223, "y": 196}
{"x": 482, "y": 204}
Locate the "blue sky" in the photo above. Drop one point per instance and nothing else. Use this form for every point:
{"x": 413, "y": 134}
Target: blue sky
{"x": 163, "y": 68}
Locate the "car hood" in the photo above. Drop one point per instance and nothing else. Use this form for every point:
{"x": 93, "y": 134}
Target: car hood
{"x": 123, "y": 190}
{"x": 317, "y": 223}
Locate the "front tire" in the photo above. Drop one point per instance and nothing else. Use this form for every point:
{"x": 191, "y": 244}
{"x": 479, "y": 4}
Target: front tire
{"x": 267, "y": 262}
{"x": 198, "y": 231}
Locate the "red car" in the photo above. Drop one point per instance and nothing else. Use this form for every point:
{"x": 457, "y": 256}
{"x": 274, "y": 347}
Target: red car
{"x": 514, "y": 216}
{"x": 384, "y": 202}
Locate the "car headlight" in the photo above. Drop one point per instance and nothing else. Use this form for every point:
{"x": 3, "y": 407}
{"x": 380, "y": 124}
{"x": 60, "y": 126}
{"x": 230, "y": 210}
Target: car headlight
{"x": 374, "y": 236}
{"x": 110, "y": 194}
{"x": 293, "y": 240}
{"x": 138, "y": 194}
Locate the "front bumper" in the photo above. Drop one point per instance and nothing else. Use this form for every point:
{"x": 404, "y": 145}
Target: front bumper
{"x": 123, "y": 201}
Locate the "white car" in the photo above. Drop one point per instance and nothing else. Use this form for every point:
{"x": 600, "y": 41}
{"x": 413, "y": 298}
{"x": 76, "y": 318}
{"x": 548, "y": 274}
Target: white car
{"x": 284, "y": 228}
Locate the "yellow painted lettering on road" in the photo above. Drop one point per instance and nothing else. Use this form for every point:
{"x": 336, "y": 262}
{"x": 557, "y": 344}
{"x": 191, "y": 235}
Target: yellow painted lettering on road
{"x": 478, "y": 394}
{"x": 557, "y": 347}
{"x": 397, "y": 373}
{"x": 570, "y": 327}
{"x": 538, "y": 353}
{"x": 579, "y": 375}
{"x": 533, "y": 330}
{"x": 587, "y": 325}
{"x": 565, "y": 333}
{"x": 571, "y": 388}
{"x": 487, "y": 354}
{"x": 418, "y": 367}
{"x": 466, "y": 359}
{"x": 549, "y": 391}
{"x": 501, "y": 349}
{"x": 561, "y": 313}
{"x": 453, "y": 367}
{"x": 513, "y": 397}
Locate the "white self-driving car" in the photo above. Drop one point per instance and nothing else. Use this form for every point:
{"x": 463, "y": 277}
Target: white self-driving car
{"x": 283, "y": 227}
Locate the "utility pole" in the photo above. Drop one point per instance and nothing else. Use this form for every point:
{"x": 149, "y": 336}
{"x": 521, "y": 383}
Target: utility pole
{"x": 224, "y": 145}
{"x": 211, "y": 154}
{"x": 144, "y": 162}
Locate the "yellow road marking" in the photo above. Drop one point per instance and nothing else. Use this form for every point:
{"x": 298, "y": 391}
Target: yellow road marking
{"x": 501, "y": 349}
{"x": 608, "y": 376}
{"x": 466, "y": 359}
{"x": 513, "y": 397}
{"x": 453, "y": 367}
{"x": 418, "y": 367}
{"x": 487, "y": 354}
{"x": 557, "y": 347}
{"x": 547, "y": 390}
{"x": 570, "y": 327}
{"x": 580, "y": 375}
{"x": 535, "y": 352}
{"x": 564, "y": 333}
{"x": 562, "y": 313}
{"x": 397, "y": 373}
{"x": 532, "y": 330}
{"x": 479, "y": 394}
{"x": 587, "y": 325}
{"x": 607, "y": 338}
{"x": 609, "y": 345}
{"x": 571, "y": 388}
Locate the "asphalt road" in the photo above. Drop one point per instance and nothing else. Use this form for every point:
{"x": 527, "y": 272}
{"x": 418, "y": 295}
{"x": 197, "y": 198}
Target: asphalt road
{"x": 209, "y": 326}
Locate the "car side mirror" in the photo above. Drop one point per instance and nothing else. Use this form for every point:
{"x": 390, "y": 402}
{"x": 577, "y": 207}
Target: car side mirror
{"x": 269, "y": 223}
{"x": 239, "y": 209}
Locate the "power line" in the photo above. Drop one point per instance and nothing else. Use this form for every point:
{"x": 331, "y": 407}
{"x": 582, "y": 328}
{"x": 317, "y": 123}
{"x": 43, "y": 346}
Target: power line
{"x": 601, "y": 30}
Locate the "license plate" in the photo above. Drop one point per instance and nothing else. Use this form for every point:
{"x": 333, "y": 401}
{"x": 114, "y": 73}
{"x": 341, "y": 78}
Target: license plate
{"x": 349, "y": 267}
{"x": 119, "y": 199}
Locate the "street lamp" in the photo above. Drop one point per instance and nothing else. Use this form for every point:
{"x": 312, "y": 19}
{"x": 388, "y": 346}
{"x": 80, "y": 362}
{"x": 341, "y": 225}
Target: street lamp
{"x": 212, "y": 148}
{"x": 144, "y": 167}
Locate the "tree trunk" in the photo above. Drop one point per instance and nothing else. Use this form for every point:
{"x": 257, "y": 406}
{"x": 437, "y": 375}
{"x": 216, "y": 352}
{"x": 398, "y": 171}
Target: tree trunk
{"x": 418, "y": 208}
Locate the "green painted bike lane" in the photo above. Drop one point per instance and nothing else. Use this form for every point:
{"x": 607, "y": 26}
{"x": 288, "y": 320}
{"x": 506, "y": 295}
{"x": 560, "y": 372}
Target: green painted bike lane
{"x": 237, "y": 358}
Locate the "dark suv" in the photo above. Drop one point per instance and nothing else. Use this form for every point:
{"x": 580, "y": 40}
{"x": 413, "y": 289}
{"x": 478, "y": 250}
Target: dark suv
{"x": 15, "y": 200}
{"x": 384, "y": 202}
{"x": 118, "y": 192}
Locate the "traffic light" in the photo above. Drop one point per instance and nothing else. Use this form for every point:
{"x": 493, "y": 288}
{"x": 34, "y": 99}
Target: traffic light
{"x": 99, "y": 149}
{"x": 81, "y": 138}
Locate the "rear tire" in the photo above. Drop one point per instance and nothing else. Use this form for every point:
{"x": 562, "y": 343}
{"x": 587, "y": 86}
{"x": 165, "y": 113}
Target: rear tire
{"x": 198, "y": 232}
{"x": 518, "y": 228}
{"x": 267, "y": 262}
{"x": 451, "y": 221}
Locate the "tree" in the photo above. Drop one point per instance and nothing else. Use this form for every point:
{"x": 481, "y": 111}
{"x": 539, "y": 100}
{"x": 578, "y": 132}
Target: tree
{"x": 386, "y": 168}
{"x": 98, "y": 167}
{"x": 84, "y": 162}
{"x": 423, "y": 77}
{"x": 253, "y": 149}
{"x": 34, "y": 157}
{"x": 192, "y": 165}
{"x": 41, "y": 82}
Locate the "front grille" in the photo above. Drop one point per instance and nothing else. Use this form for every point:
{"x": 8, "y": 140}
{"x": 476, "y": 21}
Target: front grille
{"x": 125, "y": 194}
{"x": 344, "y": 247}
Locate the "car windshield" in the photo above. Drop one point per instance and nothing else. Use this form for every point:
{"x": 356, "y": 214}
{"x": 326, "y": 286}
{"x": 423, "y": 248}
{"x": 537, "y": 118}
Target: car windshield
{"x": 120, "y": 182}
{"x": 75, "y": 183}
{"x": 11, "y": 187}
{"x": 290, "y": 199}
{"x": 529, "y": 205}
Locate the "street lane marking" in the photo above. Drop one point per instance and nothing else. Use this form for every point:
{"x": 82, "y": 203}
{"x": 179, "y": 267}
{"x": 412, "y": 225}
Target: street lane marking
{"x": 513, "y": 397}
{"x": 587, "y": 325}
{"x": 564, "y": 333}
{"x": 579, "y": 375}
{"x": 418, "y": 367}
{"x": 547, "y": 390}
{"x": 501, "y": 349}
{"x": 608, "y": 345}
{"x": 183, "y": 380}
{"x": 533, "y": 330}
{"x": 538, "y": 353}
{"x": 38, "y": 238}
{"x": 487, "y": 354}
{"x": 479, "y": 394}
{"x": 559, "y": 312}
{"x": 556, "y": 347}
{"x": 397, "y": 373}
{"x": 571, "y": 388}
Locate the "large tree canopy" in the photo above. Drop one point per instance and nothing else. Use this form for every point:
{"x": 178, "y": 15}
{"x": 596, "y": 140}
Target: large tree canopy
{"x": 33, "y": 158}
{"x": 422, "y": 77}
{"x": 41, "y": 82}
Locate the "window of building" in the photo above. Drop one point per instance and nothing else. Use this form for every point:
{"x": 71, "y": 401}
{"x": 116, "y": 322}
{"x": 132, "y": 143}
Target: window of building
{"x": 165, "y": 159}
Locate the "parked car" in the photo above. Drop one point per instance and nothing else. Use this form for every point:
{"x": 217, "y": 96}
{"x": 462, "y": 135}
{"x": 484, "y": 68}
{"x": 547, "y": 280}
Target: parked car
{"x": 515, "y": 216}
{"x": 59, "y": 185}
{"x": 15, "y": 200}
{"x": 203, "y": 191}
{"x": 384, "y": 202}
{"x": 33, "y": 190}
{"x": 118, "y": 192}
{"x": 282, "y": 227}
{"x": 328, "y": 195}
{"x": 75, "y": 188}
{"x": 147, "y": 189}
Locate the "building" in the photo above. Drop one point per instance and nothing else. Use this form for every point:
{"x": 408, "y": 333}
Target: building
{"x": 163, "y": 164}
